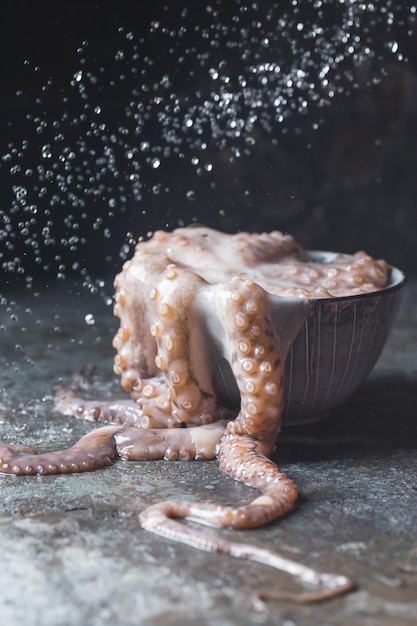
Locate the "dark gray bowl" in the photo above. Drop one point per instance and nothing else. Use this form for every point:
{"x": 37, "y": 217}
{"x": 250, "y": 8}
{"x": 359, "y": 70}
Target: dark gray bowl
{"x": 336, "y": 348}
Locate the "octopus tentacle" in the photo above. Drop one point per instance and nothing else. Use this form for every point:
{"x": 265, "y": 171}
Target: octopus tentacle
{"x": 278, "y": 497}
{"x": 161, "y": 371}
{"x": 254, "y": 469}
{"x": 93, "y": 451}
{"x": 257, "y": 365}
{"x": 198, "y": 443}
{"x": 257, "y": 356}
{"x": 117, "y": 412}
{"x": 151, "y": 412}
{"x": 135, "y": 345}
{"x": 188, "y": 376}
{"x": 135, "y": 340}
{"x": 158, "y": 519}
{"x": 103, "y": 446}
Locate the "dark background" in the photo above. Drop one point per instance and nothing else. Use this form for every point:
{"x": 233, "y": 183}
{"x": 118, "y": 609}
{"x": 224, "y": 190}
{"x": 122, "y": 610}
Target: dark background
{"x": 341, "y": 176}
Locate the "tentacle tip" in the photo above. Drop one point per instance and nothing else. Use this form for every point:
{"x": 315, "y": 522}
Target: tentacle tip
{"x": 334, "y": 586}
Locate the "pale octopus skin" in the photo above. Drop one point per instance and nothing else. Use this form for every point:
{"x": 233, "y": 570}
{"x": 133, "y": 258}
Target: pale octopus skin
{"x": 188, "y": 301}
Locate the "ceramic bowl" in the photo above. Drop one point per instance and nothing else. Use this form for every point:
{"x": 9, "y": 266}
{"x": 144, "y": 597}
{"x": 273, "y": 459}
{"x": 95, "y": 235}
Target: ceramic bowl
{"x": 336, "y": 348}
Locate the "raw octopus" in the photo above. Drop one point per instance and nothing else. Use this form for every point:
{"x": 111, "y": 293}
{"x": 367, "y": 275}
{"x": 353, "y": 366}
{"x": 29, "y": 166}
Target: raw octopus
{"x": 206, "y": 320}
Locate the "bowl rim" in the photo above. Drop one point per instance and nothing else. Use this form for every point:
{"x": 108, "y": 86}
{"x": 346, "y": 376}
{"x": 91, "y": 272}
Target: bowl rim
{"x": 397, "y": 278}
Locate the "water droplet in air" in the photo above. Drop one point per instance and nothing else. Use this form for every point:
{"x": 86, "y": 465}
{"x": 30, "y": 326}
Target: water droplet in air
{"x": 89, "y": 318}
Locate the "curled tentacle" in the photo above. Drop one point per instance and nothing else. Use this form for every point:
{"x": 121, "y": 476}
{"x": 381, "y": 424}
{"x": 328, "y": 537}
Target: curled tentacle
{"x": 239, "y": 456}
{"x": 320, "y": 586}
{"x": 278, "y": 497}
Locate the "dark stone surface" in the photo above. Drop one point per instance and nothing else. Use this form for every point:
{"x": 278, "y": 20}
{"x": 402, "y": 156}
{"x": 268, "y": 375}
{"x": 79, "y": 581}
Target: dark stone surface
{"x": 72, "y": 549}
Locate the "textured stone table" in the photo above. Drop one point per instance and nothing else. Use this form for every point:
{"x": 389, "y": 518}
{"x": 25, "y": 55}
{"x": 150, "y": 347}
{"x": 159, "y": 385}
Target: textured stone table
{"x": 71, "y": 548}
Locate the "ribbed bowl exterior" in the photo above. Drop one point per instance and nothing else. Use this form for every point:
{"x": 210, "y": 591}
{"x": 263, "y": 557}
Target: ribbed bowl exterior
{"x": 336, "y": 348}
